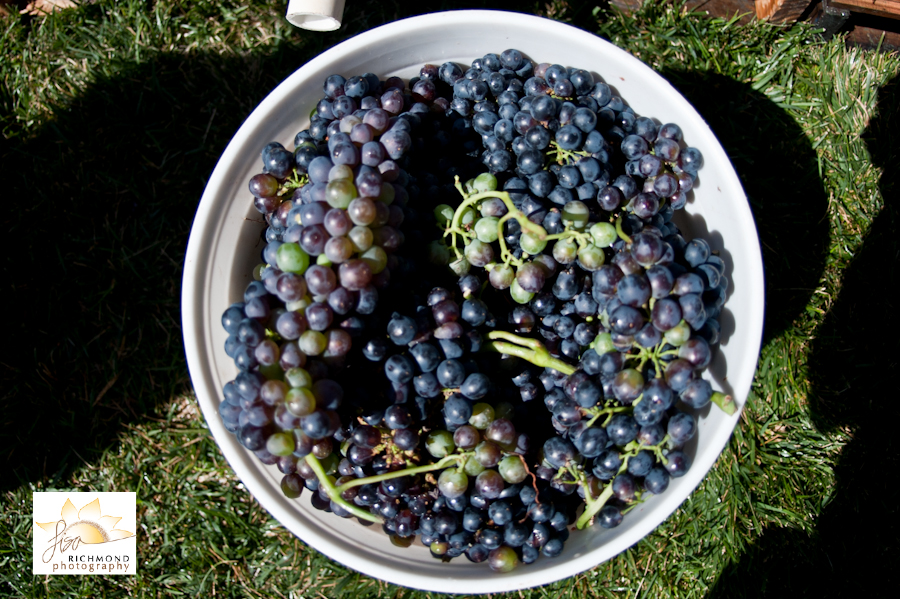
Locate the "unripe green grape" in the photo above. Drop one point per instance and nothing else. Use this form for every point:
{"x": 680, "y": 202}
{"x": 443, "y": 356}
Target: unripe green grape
{"x": 330, "y": 463}
{"x": 300, "y": 305}
{"x": 361, "y": 237}
{"x": 482, "y": 416}
{"x": 298, "y": 377}
{"x": 591, "y": 257}
{"x": 603, "y": 343}
{"x": 603, "y": 234}
{"x": 348, "y": 122}
{"x": 504, "y": 409}
{"x": 271, "y": 371}
{"x": 387, "y": 194}
{"x": 501, "y": 276}
{"x": 503, "y": 559}
{"x": 376, "y": 258}
{"x": 340, "y": 171}
{"x": 565, "y": 251}
{"x": 292, "y": 486}
{"x": 575, "y": 214}
{"x": 472, "y": 467}
{"x": 340, "y": 192}
{"x": 512, "y": 469}
{"x": 485, "y": 182}
{"x": 440, "y": 443}
{"x": 486, "y": 229}
{"x": 300, "y": 401}
{"x": 280, "y": 444}
{"x": 478, "y": 253}
{"x": 460, "y": 266}
{"x": 312, "y": 343}
{"x": 678, "y": 334}
{"x": 531, "y": 243}
{"x": 443, "y": 214}
{"x": 468, "y": 217}
{"x": 518, "y": 294}
{"x": 290, "y": 257}
{"x": 401, "y": 541}
{"x": 453, "y": 483}
{"x": 322, "y": 260}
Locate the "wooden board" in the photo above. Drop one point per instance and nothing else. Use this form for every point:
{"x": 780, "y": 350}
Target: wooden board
{"x": 881, "y": 8}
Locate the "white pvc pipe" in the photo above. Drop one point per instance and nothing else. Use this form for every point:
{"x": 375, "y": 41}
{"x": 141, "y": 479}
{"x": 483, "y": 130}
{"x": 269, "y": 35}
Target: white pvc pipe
{"x": 317, "y": 15}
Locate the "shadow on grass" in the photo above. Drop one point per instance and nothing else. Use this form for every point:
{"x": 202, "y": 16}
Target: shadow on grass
{"x": 778, "y": 169}
{"x": 853, "y": 364}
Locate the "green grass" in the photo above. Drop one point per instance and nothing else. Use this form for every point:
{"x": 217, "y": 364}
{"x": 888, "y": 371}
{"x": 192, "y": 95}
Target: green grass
{"x": 114, "y": 114}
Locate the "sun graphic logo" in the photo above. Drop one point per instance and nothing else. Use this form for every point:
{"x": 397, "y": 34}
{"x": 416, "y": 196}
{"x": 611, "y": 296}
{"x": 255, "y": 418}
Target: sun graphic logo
{"x": 95, "y": 538}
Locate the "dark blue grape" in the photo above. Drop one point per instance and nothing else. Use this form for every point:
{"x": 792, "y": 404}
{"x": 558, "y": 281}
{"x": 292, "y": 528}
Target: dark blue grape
{"x": 375, "y": 349}
{"x": 515, "y": 534}
{"x": 427, "y": 356}
{"x": 399, "y": 368}
{"x": 569, "y": 137}
{"x": 427, "y": 385}
{"x": 401, "y": 329}
{"x": 500, "y": 512}
{"x": 592, "y": 442}
{"x": 682, "y": 427}
{"x": 457, "y": 410}
{"x": 690, "y": 160}
{"x": 697, "y": 393}
{"x": 475, "y": 386}
{"x": 558, "y": 451}
{"x": 452, "y": 348}
{"x": 692, "y": 310}
{"x": 626, "y": 320}
{"x": 553, "y": 548}
{"x": 677, "y": 464}
{"x": 651, "y": 434}
{"x": 656, "y": 480}
{"x": 451, "y": 373}
{"x": 648, "y": 336}
{"x": 641, "y": 463}
{"x": 666, "y": 314}
{"x": 609, "y": 517}
{"x": 621, "y": 429}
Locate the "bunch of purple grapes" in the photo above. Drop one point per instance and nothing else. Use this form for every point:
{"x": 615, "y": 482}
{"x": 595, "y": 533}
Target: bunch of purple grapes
{"x": 445, "y": 418}
{"x": 486, "y": 425}
{"x": 334, "y": 208}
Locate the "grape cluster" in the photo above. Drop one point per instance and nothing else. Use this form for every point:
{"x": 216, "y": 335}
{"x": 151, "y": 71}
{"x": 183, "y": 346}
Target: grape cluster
{"x": 446, "y": 416}
{"x": 558, "y": 390}
{"x": 334, "y": 208}
{"x": 572, "y": 157}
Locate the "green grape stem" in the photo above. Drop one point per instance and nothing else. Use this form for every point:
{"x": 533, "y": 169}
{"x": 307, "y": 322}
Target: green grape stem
{"x": 334, "y": 492}
{"x": 608, "y": 411}
{"x": 454, "y": 228}
{"x": 565, "y": 156}
{"x": 593, "y": 506}
{"x": 622, "y": 235}
{"x": 530, "y": 350}
{"x": 725, "y": 402}
{"x": 335, "y": 495}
